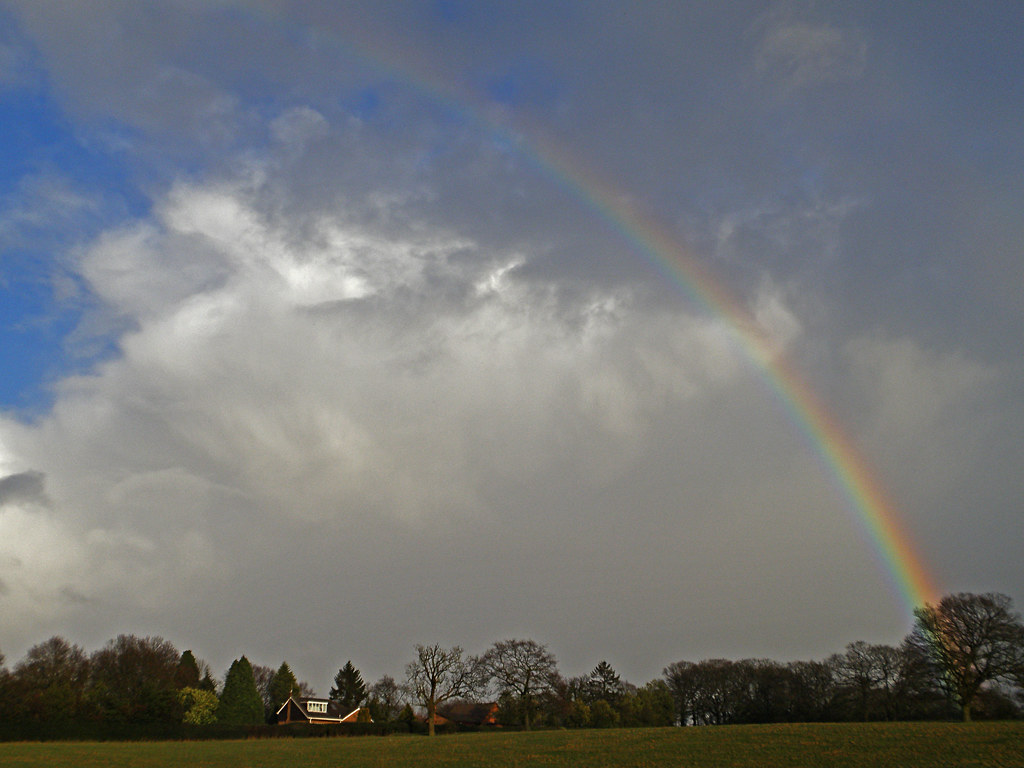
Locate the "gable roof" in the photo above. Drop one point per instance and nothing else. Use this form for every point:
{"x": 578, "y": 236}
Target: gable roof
{"x": 299, "y": 709}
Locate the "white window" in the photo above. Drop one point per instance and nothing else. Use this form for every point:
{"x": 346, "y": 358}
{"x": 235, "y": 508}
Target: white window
{"x": 316, "y": 706}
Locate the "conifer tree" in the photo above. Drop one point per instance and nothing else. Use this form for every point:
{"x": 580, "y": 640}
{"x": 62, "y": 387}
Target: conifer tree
{"x": 187, "y": 674}
{"x": 605, "y": 683}
{"x": 283, "y": 685}
{"x": 240, "y": 703}
{"x": 349, "y": 689}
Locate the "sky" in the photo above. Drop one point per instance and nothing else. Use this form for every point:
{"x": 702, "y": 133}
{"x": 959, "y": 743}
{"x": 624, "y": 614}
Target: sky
{"x": 329, "y": 329}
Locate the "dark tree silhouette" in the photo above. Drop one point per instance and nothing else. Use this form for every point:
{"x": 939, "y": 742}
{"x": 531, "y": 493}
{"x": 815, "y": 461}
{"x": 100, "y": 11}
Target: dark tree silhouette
{"x": 133, "y": 680}
{"x": 605, "y": 683}
{"x": 385, "y": 699}
{"x": 349, "y": 689}
{"x": 439, "y": 675}
{"x": 972, "y": 640}
{"x": 240, "y": 703}
{"x": 282, "y": 685}
{"x": 51, "y": 680}
{"x": 522, "y": 670}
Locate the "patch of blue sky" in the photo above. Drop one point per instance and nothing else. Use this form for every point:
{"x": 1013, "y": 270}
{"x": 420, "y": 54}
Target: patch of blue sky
{"x": 58, "y": 191}
{"x": 30, "y": 125}
{"x": 364, "y": 103}
{"x": 42, "y": 306}
{"x": 451, "y": 11}
{"x": 33, "y": 328}
{"x": 37, "y": 138}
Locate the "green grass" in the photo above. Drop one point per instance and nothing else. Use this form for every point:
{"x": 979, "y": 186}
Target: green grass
{"x": 929, "y": 745}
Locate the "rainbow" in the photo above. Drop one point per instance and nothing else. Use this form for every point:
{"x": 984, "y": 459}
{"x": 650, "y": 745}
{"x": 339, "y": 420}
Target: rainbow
{"x": 844, "y": 465}
{"x": 839, "y": 458}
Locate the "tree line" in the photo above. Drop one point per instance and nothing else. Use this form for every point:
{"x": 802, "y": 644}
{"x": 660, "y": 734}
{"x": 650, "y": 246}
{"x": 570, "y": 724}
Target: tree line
{"x": 964, "y": 657}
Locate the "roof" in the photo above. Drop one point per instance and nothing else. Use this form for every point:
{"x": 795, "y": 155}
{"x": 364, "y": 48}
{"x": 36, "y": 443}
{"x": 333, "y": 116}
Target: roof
{"x": 323, "y": 710}
{"x": 470, "y": 713}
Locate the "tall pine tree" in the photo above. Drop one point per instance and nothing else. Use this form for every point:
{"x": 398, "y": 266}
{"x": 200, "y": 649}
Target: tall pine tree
{"x": 187, "y": 674}
{"x": 605, "y": 683}
{"x": 349, "y": 689}
{"x": 240, "y": 703}
{"x": 283, "y": 685}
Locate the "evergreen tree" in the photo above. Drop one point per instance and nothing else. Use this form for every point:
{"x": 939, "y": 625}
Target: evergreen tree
{"x": 349, "y": 689}
{"x": 605, "y": 683}
{"x": 187, "y": 674}
{"x": 208, "y": 683}
{"x": 283, "y": 685}
{"x": 407, "y": 716}
{"x": 240, "y": 703}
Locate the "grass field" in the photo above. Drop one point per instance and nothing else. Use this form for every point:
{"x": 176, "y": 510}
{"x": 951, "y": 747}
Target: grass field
{"x": 929, "y": 745}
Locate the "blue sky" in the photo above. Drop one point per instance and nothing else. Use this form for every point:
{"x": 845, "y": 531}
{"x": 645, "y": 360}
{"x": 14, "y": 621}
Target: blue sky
{"x": 333, "y": 276}
{"x": 57, "y": 187}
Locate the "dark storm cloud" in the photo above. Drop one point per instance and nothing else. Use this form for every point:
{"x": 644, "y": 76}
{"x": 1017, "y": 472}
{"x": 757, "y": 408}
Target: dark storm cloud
{"x": 21, "y": 487}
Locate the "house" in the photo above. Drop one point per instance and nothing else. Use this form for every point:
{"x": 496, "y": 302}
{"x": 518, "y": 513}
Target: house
{"x": 308, "y": 709}
{"x": 470, "y": 713}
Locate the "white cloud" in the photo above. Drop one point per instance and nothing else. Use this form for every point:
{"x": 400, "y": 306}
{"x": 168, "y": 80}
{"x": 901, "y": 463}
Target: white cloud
{"x": 330, "y": 375}
{"x": 774, "y": 316}
{"x": 298, "y": 126}
{"x": 51, "y": 566}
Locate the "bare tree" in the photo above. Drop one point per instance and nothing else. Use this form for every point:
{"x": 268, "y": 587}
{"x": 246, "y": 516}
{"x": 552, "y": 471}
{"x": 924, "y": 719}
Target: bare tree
{"x": 860, "y": 674}
{"x": 439, "y": 675}
{"x": 814, "y": 689}
{"x": 681, "y": 677}
{"x": 721, "y": 688}
{"x": 53, "y": 677}
{"x": 386, "y": 699}
{"x": 264, "y": 677}
{"x": 973, "y": 640}
{"x": 54, "y": 662}
{"x": 132, "y": 679}
{"x": 521, "y": 670}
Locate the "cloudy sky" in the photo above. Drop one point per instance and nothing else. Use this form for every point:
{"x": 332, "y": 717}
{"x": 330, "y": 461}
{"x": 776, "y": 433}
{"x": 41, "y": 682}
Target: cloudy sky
{"x": 326, "y": 329}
